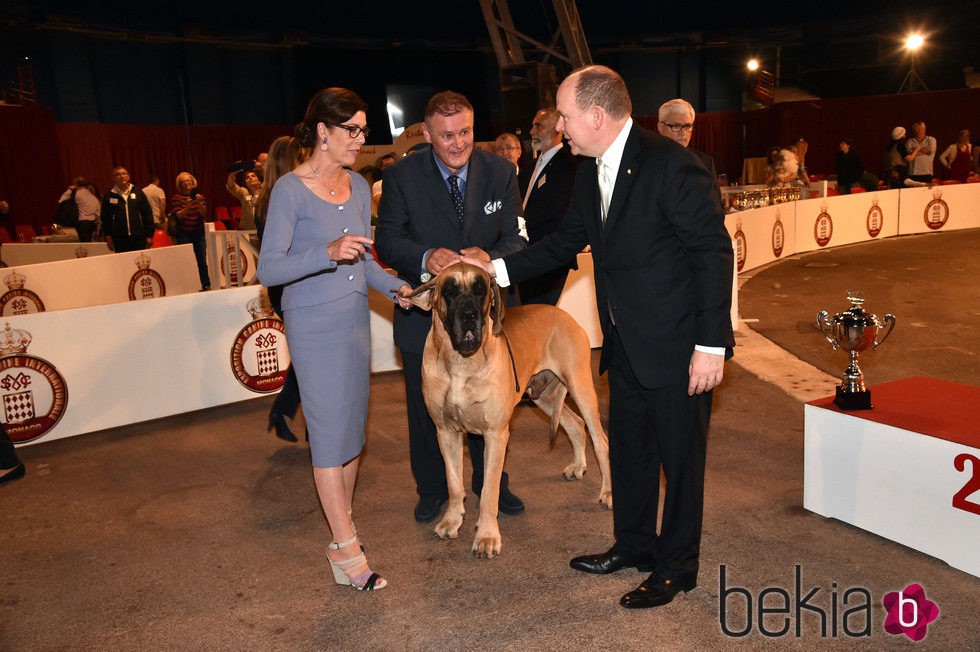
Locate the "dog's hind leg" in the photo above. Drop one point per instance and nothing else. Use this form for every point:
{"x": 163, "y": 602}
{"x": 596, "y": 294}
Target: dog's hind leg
{"x": 583, "y": 393}
{"x": 548, "y": 393}
{"x": 451, "y": 445}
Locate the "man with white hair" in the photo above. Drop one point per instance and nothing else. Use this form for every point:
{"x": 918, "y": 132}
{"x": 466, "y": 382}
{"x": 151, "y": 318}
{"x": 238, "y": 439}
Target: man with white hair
{"x": 676, "y": 121}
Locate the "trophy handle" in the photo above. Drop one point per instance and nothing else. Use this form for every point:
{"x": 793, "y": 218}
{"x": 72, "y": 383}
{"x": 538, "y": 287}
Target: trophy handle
{"x": 824, "y": 327}
{"x": 890, "y": 320}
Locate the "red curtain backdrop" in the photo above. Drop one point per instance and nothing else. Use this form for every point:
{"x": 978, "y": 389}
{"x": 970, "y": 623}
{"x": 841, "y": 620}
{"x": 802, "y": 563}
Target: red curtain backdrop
{"x": 39, "y": 157}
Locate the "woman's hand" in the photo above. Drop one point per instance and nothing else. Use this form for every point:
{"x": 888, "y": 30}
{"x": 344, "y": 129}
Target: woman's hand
{"x": 348, "y": 247}
{"x": 401, "y": 296}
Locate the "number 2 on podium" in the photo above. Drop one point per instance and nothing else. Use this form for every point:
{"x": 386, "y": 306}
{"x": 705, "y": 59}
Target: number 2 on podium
{"x": 972, "y": 485}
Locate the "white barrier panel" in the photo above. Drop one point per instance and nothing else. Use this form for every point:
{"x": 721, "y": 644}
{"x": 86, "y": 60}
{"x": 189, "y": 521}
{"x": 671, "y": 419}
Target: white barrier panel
{"x": 73, "y": 372}
{"x": 578, "y": 298}
{"x": 944, "y": 208}
{"x": 81, "y": 282}
{"x": 15, "y": 254}
{"x": 846, "y": 219}
{"x": 762, "y": 235}
{"x": 232, "y": 260}
{"x": 869, "y": 468}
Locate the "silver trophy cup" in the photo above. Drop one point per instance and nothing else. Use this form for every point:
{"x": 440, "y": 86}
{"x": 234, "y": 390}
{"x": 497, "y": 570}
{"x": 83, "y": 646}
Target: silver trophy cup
{"x": 854, "y": 331}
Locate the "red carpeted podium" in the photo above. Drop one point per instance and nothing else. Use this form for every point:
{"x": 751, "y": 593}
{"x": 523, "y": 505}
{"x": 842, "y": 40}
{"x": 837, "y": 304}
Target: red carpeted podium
{"x": 908, "y": 470}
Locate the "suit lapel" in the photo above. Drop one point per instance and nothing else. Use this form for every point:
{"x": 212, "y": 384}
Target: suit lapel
{"x": 624, "y": 179}
{"x": 475, "y": 183}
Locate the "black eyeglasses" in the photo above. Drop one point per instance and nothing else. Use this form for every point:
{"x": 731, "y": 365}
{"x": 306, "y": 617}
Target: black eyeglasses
{"x": 676, "y": 128}
{"x": 353, "y": 130}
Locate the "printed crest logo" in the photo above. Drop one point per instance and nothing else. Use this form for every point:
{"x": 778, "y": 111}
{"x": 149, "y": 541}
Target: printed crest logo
{"x": 81, "y": 252}
{"x": 778, "y": 237}
{"x": 875, "y": 219}
{"x": 259, "y": 357}
{"x": 909, "y": 612}
{"x": 741, "y": 246}
{"x": 146, "y": 283}
{"x": 16, "y": 300}
{"x": 937, "y": 211}
{"x": 237, "y": 262}
{"x": 33, "y": 391}
{"x": 823, "y": 228}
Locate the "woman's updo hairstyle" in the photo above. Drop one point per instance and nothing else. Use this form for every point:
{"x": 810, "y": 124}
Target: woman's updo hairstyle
{"x": 331, "y": 105}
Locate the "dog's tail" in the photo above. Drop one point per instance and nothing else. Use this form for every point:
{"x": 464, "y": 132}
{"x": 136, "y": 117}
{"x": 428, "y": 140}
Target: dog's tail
{"x": 548, "y": 393}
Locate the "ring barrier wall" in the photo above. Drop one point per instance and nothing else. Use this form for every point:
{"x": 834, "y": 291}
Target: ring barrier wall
{"x": 764, "y": 235}
{"x": 15, "y": 254}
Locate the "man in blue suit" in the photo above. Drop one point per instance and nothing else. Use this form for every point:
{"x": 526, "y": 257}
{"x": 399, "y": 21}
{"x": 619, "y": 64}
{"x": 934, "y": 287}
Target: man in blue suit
{"x": 436, "y": 206}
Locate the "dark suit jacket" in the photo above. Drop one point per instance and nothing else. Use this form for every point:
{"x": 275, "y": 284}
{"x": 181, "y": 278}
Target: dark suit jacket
{"x": 708, "y": 161}
{"x": 663, "y": 259}
{"x": 546, "y": 206}
{"x": 113, "y": 214}
{"x": 416, "y": 214}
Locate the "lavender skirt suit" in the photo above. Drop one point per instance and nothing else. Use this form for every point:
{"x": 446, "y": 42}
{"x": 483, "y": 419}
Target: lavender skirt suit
{"x": 325, "y": 309}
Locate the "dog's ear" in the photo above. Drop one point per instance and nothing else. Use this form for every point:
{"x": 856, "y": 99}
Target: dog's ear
{"x": 496, "y": 308}
{"x": 424, "y": 295}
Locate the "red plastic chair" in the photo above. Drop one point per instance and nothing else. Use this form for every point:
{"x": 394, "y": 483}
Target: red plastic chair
{"x": 220, "y": 226}
{"x": 950, "y": 182}
{"x": 973, "y": 179}
{"x": 832, "y": 192}
{"x": 856, "y": 189}
{"x": 236, "y": 215}
{"x": 221, "y": 214}
{"x": 25, "y": 233}
{"x": 5, "y": 235}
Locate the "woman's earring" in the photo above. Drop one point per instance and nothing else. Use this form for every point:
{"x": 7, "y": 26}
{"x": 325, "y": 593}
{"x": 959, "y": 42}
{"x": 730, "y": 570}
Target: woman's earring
{"x": 323, "y": 145}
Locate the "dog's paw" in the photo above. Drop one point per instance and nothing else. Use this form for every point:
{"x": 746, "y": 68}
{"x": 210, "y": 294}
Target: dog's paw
{"x": 574, "y": 471}
{"x": 486, "y": 546}
{"x": 605, "y": 498}
{"x": 448, "y": 527}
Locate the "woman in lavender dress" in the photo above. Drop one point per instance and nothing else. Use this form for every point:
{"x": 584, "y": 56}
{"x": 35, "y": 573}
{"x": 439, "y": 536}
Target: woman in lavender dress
{"x": 317, "y": 244}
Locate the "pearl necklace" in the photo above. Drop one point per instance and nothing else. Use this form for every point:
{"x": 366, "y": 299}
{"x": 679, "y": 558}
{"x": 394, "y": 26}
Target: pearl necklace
{"x": 316, "y": 173}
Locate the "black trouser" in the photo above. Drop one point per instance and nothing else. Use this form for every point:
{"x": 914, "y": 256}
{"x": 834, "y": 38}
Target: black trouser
{"x": 125, "y": 243}
{"x": 650, "y": 429}
{"x": 423, "y": 443}
{"x": 85, "y": 229}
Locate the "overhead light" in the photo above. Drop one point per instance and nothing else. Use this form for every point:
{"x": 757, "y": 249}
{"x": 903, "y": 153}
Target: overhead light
{"x": 914, "y": 41}
{"x": 752, "y": 65}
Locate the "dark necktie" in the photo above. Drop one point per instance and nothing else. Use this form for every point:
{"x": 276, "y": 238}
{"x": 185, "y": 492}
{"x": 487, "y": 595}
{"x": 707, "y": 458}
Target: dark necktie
{"x": 456, "y": 195}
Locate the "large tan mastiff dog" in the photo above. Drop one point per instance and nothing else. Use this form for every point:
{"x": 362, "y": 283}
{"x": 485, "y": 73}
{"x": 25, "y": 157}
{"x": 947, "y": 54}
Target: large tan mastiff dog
{"x": 475, "y": 368}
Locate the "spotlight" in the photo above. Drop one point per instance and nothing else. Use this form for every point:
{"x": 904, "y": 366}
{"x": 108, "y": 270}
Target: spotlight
{"x": 913, "y": 42}
{"x": 752, "y": 65}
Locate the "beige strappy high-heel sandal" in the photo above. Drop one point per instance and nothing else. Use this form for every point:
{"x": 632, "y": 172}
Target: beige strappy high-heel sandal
{"x": 366, "y": 581}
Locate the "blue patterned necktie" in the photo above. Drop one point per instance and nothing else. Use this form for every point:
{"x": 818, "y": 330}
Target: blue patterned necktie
{"x": 456, "y": 195}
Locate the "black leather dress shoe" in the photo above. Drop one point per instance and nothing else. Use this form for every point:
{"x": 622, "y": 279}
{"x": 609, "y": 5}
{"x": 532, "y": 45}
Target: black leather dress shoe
{"x": 656, "y": 591}
{"x": 610, "y": 562}
{"x": 429, "y": 507}
{"x": 6, "y": 475}
{"x": 509, "y": 504}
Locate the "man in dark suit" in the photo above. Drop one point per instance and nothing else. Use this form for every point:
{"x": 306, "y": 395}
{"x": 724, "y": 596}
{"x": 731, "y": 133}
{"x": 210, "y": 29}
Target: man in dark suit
{"x": 437, "y": 205}
{"x": 676, "y": 121}
{"x": 547, "y": 190}
{"x": 663, "y": 273}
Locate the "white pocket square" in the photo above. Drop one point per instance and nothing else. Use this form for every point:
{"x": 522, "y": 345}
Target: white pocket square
{"x": 492, "y": 207}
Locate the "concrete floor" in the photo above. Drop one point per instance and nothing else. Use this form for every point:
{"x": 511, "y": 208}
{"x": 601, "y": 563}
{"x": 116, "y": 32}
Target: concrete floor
{"x": 203, "y": 532}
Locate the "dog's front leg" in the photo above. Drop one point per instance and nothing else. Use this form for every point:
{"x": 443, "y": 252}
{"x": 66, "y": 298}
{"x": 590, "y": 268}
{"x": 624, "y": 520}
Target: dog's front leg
{"x": 487, "y": 542}
{"x": 451, "y": 445}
